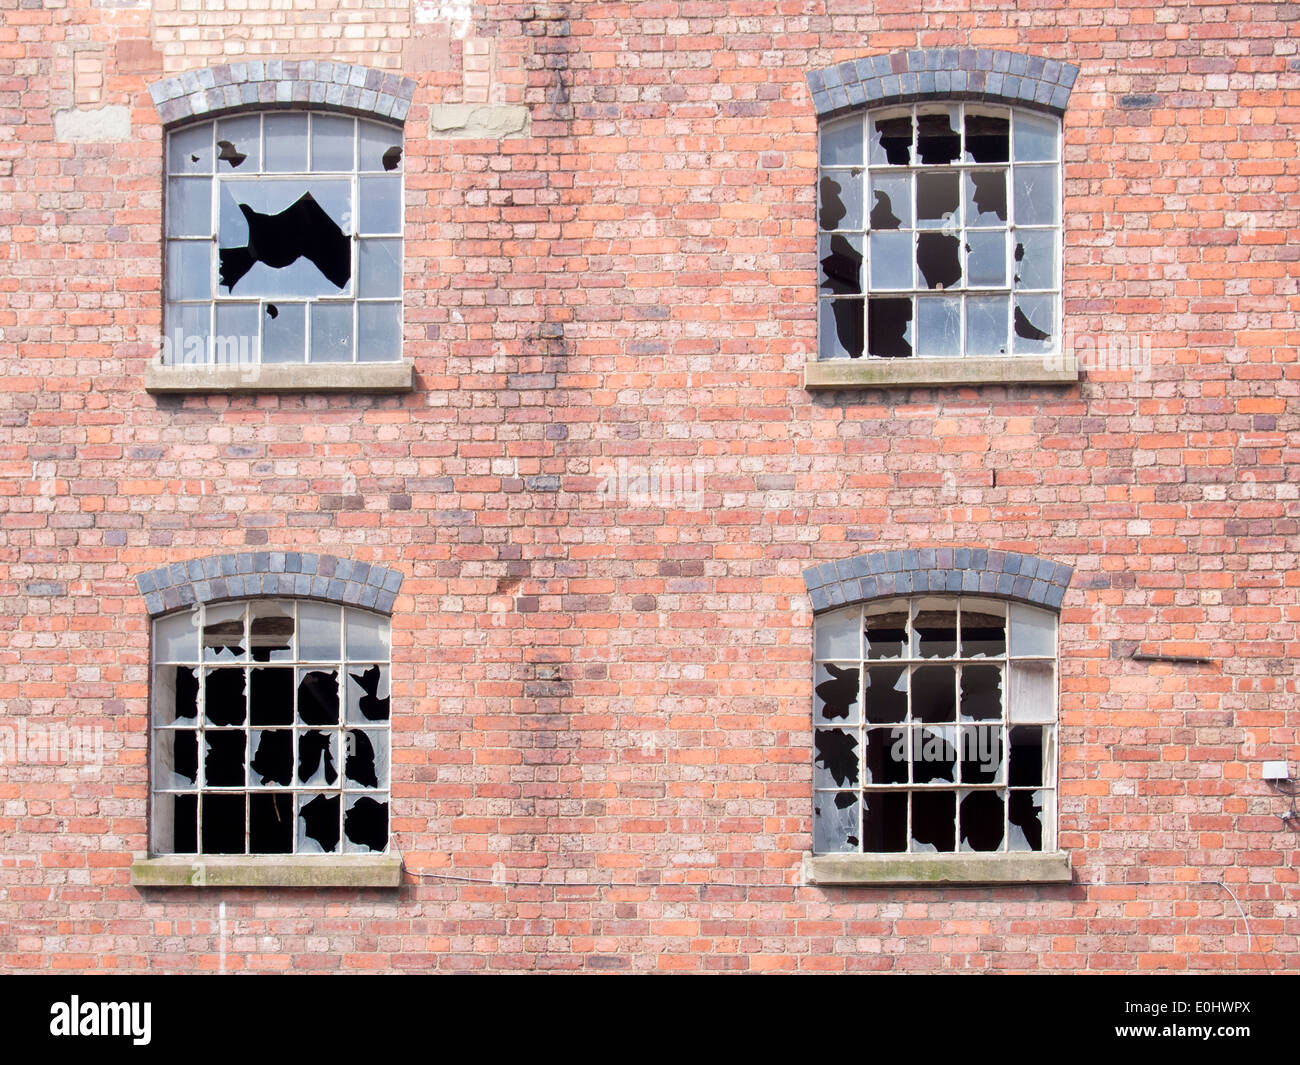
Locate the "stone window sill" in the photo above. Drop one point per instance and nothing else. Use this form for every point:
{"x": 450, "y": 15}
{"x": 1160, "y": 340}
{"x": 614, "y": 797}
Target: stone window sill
{"x": 286, "y": 871}
{"x": 896, "y": 373}
{"x": 936, "y": 869}
{"x": 282, "y": 377}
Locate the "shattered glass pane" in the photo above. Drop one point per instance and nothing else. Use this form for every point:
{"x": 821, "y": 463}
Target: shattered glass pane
{"x": 981, "y": 693}
{"x": 841, "y": 143}
{"x": 840, "y": 329}
{"x": 270, "y": 824}
{"x": 890, "y": 141}
{"x": 936, "y": 201}
{"x": 284, "y": 334}
{"x": 938, "y": 326}
{"x": 189, "y": 270}
{"x": 189, "y": 151}
{"x": 381, "y": 147}
{"x": 987, "y": 138}
{"x": 318, "y": 823}
{"x": 270, "y": 630}
{"x": 239, "y": 144}
{"x": 983, "y": 629}
{"x": 937, "y": 139}
{"x": 891, "y": 201}
{"x": 886, "y": 695}
{"x": 368, "y": 636}
{"x": 367, "y": 694}
{"x": 286, "y": 143}
{"x": 841, "y": 264}
{"x": 189, "y": 328}
{"x": 379, "y": 331}
{"x": 332, "y": 144}
{"x": 1026, "y": 765}
{"x": 189, "y": 207}
{"x": 365, "y": 825}
{"x": 1033, "y": 632}
{"x": 1035, "y": 258}
{"x": 331, "y": 332}
{"x": 837, "y": 635}
{"x": 272, "y": 762}
{"x": 934, "y": 755}
{"x": 934, "y": 630}
{"x": 839, "y": 200}
{"x": 889, "y": 328}
{"x": 1032, "y": 699}
{"x": 1035, "y": 137}
{"x": 223, "y": 633}
{"x": 1036, "y": 199}
{"x": 986, "y": 325}
{"x": 366, "y": 762}
{"x": 318, "y": 696}
{"x": 884, "y": 821}
{"x": 1034, "y": 318}
{"x": 981, "y": 754}
{"x": 379, "y": 268}
{"x": 934, "y": 821}
{"x": 236, "y": 341}
{"x": 835, "y": 822}
{"x": 986, "y": 259}
{"x": 886, "y": 632}
{"x": 886, "y": 756}
{"x": 270, "y": 697}
{"x": 835, "y": 761}
{"x": 891, "y": 260}
{"x": 381, "y": 205}
{"x": 986, "y": 197}
{"x": 223, "y": 765}
{"x": 176, "y": 758}
{"x": 176, "y": 638}
{"x": 934, "y": 694}
{"x": 1025, "y": 821}
{"x": 320, "y": 632}
{"x": 938, "y": 259}
{"x": 223, "y": 823}
{"x": 981, "y": 818}
{"x": 318, "y": 757}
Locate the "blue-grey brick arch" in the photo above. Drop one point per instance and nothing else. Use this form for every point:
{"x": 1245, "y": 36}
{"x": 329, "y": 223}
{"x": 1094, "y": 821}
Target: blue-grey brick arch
{"x": 986, "y": 74}
{"x": 947, "y": 570}
{"x": 253, "y": 574}
{"x": 269, "y": 83}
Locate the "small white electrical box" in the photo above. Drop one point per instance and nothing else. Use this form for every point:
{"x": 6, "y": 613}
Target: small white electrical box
{"x": 1276, "y": 771}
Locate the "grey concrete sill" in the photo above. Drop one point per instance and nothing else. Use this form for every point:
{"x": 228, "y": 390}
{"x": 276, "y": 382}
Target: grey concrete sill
{"x": 897, "y": 373}
{"x": 885, "y": 869}
{"x": 295, "y": 871}
{"x": 282, "y": 377}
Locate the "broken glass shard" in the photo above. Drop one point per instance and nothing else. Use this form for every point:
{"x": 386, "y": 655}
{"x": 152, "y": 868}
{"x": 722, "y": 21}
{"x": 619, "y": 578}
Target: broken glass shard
{"x": 380, "y": 146}
{"x": 934, "y": 631}
{"x": 331, "y": 332}
{"x": 223, "y": 823}
{"x": 1026, "y": 757}
{"x": 293, "y": 249}
{"x": 379, "y": 332}
{"x": 1032, "y": 698}
{"x": 176, "y": 758}
{"x": 983, "y": 629}
{"x": 986, "y": 325}
{"x": 318, "y": 824}
{"x": 986, "y": 259}
{"x": 934, "y": 821}
{"x": 837, "y": 635}
{"x": 189, "y": 151}
{"x": 272, "y": 757}
{"x": 317, "y": 757}
{"x": 934, "y": 755}
{"x": 223, "y": 633}
{"x": 836, "y": 692}
{"x": 938, "y": 326}
{"x": 841, "y": 143}
{"x": 988, "y": 138}
{"x": 332, "y": 146}
{"x": 223, "y": 766}
{"x": 937, "y": 139}
{"x": 835, "y": 764}
{"x": 271, "y": 697}
{"x": 286, "y": 143}
{"x": 1036, "y": 138}
{"x": 270, "y": 632}
{"x": 189, "y": 269}
{"x": 1033, "y": 320}
{"x": 890, "y": 141}
{"x": 1025, "y": 823}
{"x": 889, "y": 328}
{"x": 891, "y": 260}
{"x": 318, "y": 697}
{"x": 840, "y": 201}
{"x": 368, "y": 695}
{"x": 284, "y": 336}
{"x": 228, "y": 153}
{"x": 239, "y": 139}
{"x": 189, "y": 207}
{"x": 835, "y": 823}
{"x": 981, "y": 821}
{"x": 981, "y": 691}
{"x": 365, "y": 824}
{"x": 938, "y": 258}
{"x": 270, "y": 824}
{"x": 886, "y": 756}
{"x": 1035, "y": 196}
{"x": 936, "y": 200}
{"x": 367, "y": 758}
{"x": 841, "y": 264}
{"x": 891, "y": 201}
{"x": 223, "y": 696}
{"x": 1035, "y": 258}
{"x": 934, "y": 694}
{"x": 884, "y": 821}
{"x": 886, "y": 632}
{"x": 981, "y": 754}
{"x": 840, "y": 329}
{"x": 886, "y": 695}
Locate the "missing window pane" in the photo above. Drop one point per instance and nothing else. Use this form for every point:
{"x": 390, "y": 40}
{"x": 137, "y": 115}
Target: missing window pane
{"x": 366, "y": 758}
{"x": 934, "y": 694}
{"x": 886, "y": 695}
{"x": 981, "y": 817}
{"x": 886, "y": 756}
{"x": 223, "y": 696}
{"x": 176, "y": 758}
{"x": 840, "y": 329}
{"x": 365, "y": 825}
{"x": 368, "y": 694}
{"x": 938, "y": 258}
{"x": 271, "y": 632}
{"x": 886, "y": 633}
{"x": 988, "y": 138}
{"x": 1026, "y": 762}
{"x": 981, "y": 693}
{"x": 934, "y": 821}
{"x": 223, "y": 824}
{"x": 937, "y": 140}
{"x": 318, "y": 697}
{"x": 983, "y": 632}
{"x": 934, "y": 755}
{"x": 884, "y": 822}
{"x": 986, "y": 197}
{"x": 934, "y": 633}
{"x": 183, "y": 813}
{"x": 1025, "y": 821}
{"x": 272, "y": 757}
{"x": 981, "y": 754}
{"x": 841, "y": 143}
{"x": 223, "y": 765}
{"x": 270, "y": 824}
{"x": 889, "y": 328}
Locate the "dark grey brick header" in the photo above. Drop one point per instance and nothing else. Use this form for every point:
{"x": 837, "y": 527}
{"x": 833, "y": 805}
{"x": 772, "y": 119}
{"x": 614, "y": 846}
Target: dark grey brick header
{"x": 265, "y": 83}
{"x": 943, "y": 73}
{"x": 949, "y": 570}
{"x": 267, "y": 573}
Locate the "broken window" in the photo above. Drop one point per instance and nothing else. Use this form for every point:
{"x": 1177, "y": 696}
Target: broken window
{"x": 271, "y": 730}
{"x": 284, "y": 240}
{"x": 939, "y": 233}
{"x": 934, "y": 727}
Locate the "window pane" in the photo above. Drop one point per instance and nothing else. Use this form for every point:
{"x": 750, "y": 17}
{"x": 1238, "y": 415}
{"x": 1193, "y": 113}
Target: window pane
{"x": 1036, "y": 137}
{"x": 835, "y": 761}
{"x": 284, "y": 332}
{"x": 938, "y": 326}
{"x": 987, "y": 138}
{"x": 891, "y": 201}
{"x": 937, "y": 139}
{"x": 986, "y": 325}
{"x": 365, "y": 824}
{"x": 379, "y": 328}
{"x": 319, "y": 819}
{"x": 235, "y": 342}
{"x": 835, "y": 822}
{"x": 381, "y": 205}
{"x": 981, "y": 821}
{"x": 986, "y": 259}
{"x": 176, "y": 638}
{"x": 889, "y": 328}
{"x": 837, "y": 635}
{"x": 1033, "y": 631}
{"x": 936, "y": 200}
{"x": 841, "y": 143}
{"x": 1034, "y": 319}
{"x": 891, "y": 260}
{"x": 379, "y": 268}
{"x": 841, "y": 263}
{"x": 1035, "y": 258}
{"x": 840, "y": 329}
{"x": 368, "y": 636}
{"x": 223, "y": 633}
{"x": 1036, "y": 196}
{"x": 188, "y": 329}
{"x": 381, "y": 147}
{"x": 839, "y": 201}
{"x": 320, "y": 632}
{"x": 890, "y": 141}
{"x": 189, "y": 207}
{"x": 189, "y": 270}
{"x": 1033, "y": 693}
{"x": 835, "y": 693}
{"x": 886, "y": 695}
{"x": 986, "y": 197}
{"x": 332, "y": 142}
{"x": 331, "y": 332}
{"x": 189, "y": 151}
{"x": 239, "y": 144}
{"x": 286, "y": 143}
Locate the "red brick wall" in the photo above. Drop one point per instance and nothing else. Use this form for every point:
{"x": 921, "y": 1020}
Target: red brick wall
{"x": 617, "y": 698}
